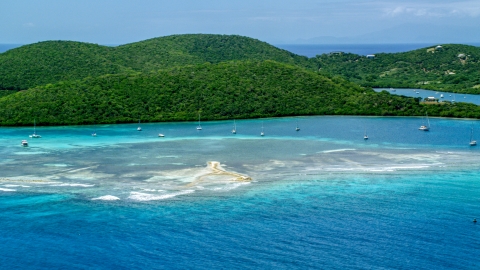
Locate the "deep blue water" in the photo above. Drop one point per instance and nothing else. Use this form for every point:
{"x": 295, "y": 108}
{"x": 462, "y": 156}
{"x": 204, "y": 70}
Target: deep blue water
{"x": 6, "y": 47}
{"x": 361, "y": 49}
{"x": 320, "y": 198}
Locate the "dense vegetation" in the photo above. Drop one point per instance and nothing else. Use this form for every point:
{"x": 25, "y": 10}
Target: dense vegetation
{"x": 449, "y": 68}
{"x": 222, "y": 77}
{"x": 239, "y": 89}
{"x": 53, "y": 61}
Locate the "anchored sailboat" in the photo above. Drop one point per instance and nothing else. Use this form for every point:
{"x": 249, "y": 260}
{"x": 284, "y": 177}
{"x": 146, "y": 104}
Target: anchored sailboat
{"x": 139, "y": 128}
{"x": 365, "y": 136}
{"x": 234, "y": 130}
{"x": 297, "y": 128}
{"x": 472, "y": 141}
{"x": 424, "y": 127}
{"x": 35, "y": 135}
{"x": 262, "y": 133}
{"x": 199, "y": 125}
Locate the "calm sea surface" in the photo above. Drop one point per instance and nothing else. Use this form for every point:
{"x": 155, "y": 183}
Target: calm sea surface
{"x": 361, "y": 49}
{"x": 440, "y": 96}
{"x": 322, "y": 197}
{"x": 317, "y": 49}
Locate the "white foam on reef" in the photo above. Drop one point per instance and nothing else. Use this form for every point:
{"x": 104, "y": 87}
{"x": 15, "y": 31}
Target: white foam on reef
{"x": 231, "y": 186}
{"x": 7, "y": 189}
{"x": 106, "y": 198}
{"x": 30, "y": 153}
{"x": 138, "y": 196}
{"x": 72, "y": 185}
{"x": 337, "y": 150}
{"x": 16, "y": 186}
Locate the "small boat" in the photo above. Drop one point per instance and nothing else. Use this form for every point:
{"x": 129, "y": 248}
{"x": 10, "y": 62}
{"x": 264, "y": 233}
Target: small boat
{"x": 418, "y": 92}
{"x": 24, "y": 143}
{"x": 262, "y": 133}
{"x": 139, "y": 128}
{"x": 472, "y": 141}
{"x": 199, "y": 127}
{"x": 94, "y": 134}
{"x": 365, "y": 136}
{"x": 424, "y": 127}
{"x": 441, "y": 95}
{"x": 234, "y": 130}
{"x": 393, "y": 90}
{"x": 297, "y": 128}
{"x": 161, "y": 135}
{"x": 35, "y": 135}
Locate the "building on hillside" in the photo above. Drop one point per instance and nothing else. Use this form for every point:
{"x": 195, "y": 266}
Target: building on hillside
{"x": 336, "y": 53}
{"x": 370, "y": 56}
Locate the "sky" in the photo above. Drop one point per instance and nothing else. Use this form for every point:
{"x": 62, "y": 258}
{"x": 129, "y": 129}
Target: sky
{"x": 114, "y": 22}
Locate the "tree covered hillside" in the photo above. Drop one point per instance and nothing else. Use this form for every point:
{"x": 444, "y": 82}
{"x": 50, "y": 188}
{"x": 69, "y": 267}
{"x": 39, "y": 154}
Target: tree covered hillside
{"x": 180, "y": 50}
{"x": 239, "y": 89}
{"x": 449, "y": 68}
{"x": 53, "y": 61}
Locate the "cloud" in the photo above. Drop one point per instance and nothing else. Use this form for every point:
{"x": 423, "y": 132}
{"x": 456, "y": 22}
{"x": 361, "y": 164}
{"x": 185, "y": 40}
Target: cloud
{"x": 438, "y": 9}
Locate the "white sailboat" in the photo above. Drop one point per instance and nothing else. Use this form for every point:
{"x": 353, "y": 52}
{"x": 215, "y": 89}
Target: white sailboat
{"x": 424, "y": 127}
{"x": 365, "y": 136}
{"x": 139, "y": 128}
{"x": 94, "y": 134}
{"x": 161, "y": 135}
{"x": 35, "y": 135}
{"x": 24, "y": 143}
{"x": 297, "y": 128}
{"x": 234, "y": 130}
{"x": 262, "y": 133}
{"x": 472, "y": 141}
{"x": 199, "y": 125}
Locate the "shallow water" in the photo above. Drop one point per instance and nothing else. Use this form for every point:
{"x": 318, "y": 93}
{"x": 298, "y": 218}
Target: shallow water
{"x": 321, "y": 197}
{"x": 422, "y": 93}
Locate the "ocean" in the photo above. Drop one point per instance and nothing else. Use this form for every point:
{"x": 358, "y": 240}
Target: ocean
{"x": 318, "y": 49}
{"x": 322, "y": 197}
{"x": 360, "y": 49}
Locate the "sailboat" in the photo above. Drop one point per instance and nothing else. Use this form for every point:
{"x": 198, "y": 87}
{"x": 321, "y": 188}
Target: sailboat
{"x": 199, "y": 125}
{"x": 139, "y": 128}
{"x": 35, "y": 135}
{"x": 365, "y": 136}
{"x": 94, "y": 134}
{"x": 423, "y": 127}
{"x": 472, "y": 142}
{"x": 262, "y": 133}
{"x": 297, "y": 128}
{"x": 234, "y": 130}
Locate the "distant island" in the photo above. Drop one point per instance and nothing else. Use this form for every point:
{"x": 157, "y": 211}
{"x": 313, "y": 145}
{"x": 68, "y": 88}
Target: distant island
{"x": 177, "y": 77}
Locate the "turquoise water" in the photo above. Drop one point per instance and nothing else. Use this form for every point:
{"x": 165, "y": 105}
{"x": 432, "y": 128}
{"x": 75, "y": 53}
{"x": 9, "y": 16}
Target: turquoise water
{"x": 318, "y": 198}
{"x": 451, "y": 97}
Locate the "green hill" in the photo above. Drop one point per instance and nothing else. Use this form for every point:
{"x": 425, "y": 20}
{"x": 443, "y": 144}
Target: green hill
{"x": 180, "y": 50}
{"x": 450, "y": 68}
{"x": 53, "y": 61}
{"x": 239, "y": 89}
